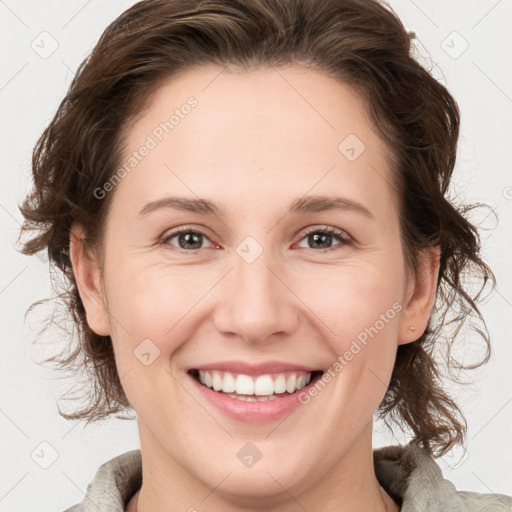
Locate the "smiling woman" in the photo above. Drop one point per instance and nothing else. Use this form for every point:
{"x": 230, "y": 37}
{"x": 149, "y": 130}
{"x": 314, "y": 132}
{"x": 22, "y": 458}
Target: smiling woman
{"x": 281, "y": 251}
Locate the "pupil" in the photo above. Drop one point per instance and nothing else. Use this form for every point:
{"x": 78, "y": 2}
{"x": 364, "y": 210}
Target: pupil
{"x": 317, "y": 238}
{"x": 190, "y": 239}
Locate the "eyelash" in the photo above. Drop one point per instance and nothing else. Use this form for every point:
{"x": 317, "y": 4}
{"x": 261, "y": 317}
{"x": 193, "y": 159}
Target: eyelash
{"x": 340, "y": 235}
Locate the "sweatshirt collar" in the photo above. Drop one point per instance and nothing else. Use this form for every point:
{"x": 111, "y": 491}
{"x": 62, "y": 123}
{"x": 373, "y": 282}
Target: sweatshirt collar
{"x": 407, "y": 473}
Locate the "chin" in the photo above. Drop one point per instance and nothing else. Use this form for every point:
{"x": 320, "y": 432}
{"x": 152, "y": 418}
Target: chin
{"x": 265, "y": 478}
{"x": 258, "y": 485}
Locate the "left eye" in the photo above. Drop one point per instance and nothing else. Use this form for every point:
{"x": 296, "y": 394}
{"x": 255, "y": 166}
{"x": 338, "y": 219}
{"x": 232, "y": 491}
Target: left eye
{"x": 325, "y": 236}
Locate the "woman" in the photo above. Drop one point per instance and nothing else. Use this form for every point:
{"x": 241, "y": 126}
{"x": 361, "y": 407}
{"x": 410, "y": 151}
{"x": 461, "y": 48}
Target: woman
{"x": 248, "y": 199}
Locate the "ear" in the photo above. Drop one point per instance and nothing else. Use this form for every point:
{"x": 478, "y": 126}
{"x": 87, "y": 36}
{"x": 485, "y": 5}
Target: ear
{"x": 420, "y": 296}
{"x": 88, "y": 279}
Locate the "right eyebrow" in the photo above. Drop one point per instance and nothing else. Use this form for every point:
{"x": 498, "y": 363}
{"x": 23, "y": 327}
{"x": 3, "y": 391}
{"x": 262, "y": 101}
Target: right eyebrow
{"x": 202, "y": 206}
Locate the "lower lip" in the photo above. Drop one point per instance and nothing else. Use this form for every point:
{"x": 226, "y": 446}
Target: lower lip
{"x": 253, "y": 412}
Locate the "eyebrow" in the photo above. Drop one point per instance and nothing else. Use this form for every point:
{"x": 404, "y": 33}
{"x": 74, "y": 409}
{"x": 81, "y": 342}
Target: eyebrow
{"x": 307, "y": 204}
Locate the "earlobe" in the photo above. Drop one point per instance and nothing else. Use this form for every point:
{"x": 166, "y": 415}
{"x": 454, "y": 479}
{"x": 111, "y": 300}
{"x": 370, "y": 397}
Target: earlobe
{"x": 420, "y": 297}
{"x": 88, "y": 279}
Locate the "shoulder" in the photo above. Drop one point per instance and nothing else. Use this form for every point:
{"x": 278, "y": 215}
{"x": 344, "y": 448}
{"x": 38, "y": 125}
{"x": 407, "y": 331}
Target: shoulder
{"x": 113, "y": 484}
{"x": 414, "y": 479}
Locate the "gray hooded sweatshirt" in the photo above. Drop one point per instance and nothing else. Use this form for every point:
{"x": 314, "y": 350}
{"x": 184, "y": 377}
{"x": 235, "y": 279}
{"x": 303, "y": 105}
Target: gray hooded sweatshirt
{"x": 407, "y": 473}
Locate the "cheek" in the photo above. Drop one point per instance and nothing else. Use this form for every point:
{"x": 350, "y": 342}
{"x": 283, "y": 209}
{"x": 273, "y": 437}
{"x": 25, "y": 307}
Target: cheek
{"x": 149, "y": 304}
{"x": 352, "y": 299}
{"x": 345, "y": 301}
{"x": 359, "y": 308}
{"x": 149, "y": 313}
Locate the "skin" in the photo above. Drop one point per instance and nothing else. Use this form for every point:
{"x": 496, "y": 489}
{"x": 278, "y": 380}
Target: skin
{"x": 255, "y": 142}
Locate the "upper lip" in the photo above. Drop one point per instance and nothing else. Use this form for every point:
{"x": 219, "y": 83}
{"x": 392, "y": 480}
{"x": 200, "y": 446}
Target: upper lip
{"x": 261, "y": 368}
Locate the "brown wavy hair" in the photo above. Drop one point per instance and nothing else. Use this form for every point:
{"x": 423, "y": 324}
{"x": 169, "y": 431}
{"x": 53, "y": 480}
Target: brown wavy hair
{"x": 363, "y": 44}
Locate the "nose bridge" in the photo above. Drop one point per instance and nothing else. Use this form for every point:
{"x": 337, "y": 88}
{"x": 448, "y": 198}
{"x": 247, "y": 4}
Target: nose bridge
{"x": 256, "y": 303}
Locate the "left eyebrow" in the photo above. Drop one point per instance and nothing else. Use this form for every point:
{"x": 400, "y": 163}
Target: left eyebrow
{"x": 321, "y": 203}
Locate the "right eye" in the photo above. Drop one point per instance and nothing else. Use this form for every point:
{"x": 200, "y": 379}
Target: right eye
{"x": 188, "y": 239}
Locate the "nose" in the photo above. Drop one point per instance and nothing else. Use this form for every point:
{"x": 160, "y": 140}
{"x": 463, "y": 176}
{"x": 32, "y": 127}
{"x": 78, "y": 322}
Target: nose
{"x": 256, "y": 302}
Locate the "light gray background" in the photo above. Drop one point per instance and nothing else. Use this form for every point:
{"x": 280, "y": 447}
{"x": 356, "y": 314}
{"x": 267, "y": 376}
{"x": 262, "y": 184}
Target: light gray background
{"x": 33, "y": 82}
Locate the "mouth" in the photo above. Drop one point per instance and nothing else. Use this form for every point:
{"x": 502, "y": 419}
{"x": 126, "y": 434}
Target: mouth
{"x": 255, "y": 388}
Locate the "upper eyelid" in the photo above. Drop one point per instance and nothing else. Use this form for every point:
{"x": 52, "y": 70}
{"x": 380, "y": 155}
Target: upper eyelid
{"x": 336, "y": 231}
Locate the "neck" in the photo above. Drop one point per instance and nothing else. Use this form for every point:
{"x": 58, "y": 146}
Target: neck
{"x": 350, "y": 485}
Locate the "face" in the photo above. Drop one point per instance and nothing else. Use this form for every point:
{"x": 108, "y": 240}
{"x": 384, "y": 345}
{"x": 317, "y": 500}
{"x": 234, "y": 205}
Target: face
{"x": 288, "y": 264}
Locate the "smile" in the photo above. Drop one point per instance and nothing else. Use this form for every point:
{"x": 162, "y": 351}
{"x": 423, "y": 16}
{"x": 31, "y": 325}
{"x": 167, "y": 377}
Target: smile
{"x": 253, "y": 393}
{"x": 250, "y": 388}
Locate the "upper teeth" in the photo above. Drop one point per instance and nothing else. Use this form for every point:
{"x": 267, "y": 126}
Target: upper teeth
{"x": 247, "y": 385}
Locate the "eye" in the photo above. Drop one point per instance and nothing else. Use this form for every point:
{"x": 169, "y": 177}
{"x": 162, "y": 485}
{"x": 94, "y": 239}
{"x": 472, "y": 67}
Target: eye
{"x": 322, "y": 238}
{"x": 188, "y": 239}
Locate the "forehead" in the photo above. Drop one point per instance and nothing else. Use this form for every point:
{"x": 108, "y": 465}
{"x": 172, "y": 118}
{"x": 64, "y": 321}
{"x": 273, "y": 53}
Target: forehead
{"x": 219, "y": 133}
